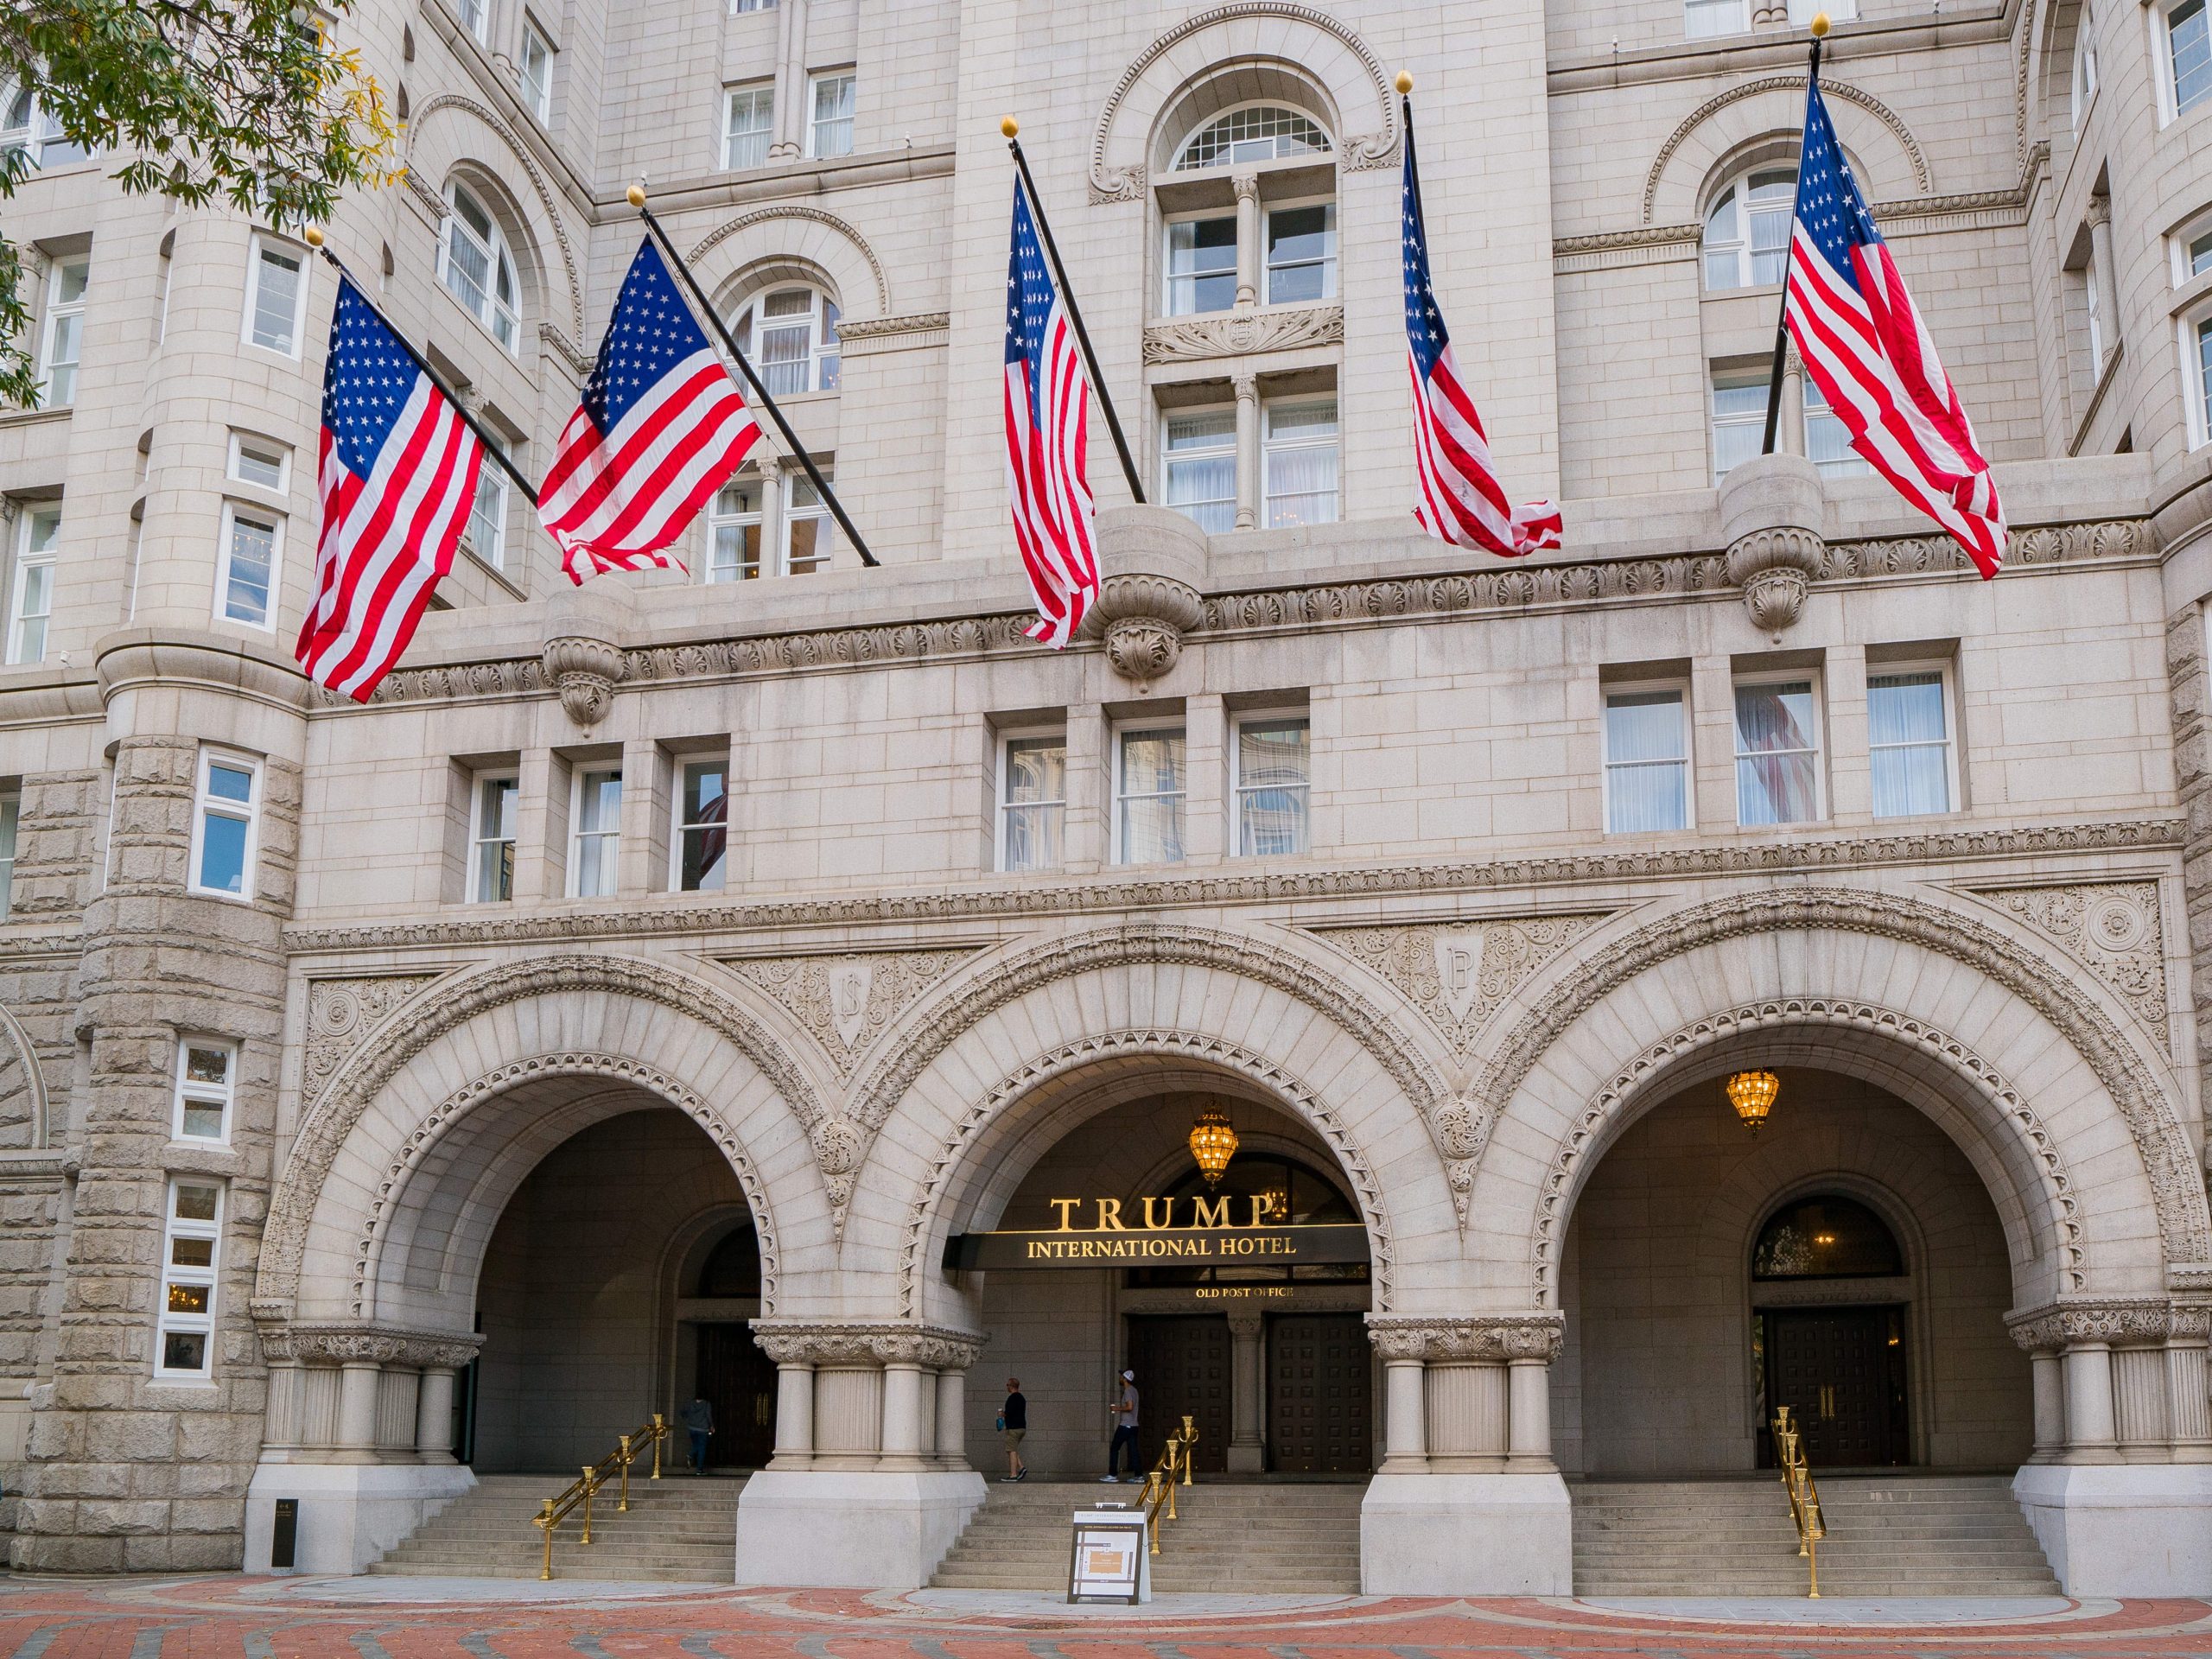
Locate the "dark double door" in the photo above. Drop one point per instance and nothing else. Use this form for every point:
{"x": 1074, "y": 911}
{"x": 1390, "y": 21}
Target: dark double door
{"x": 738, "y": 1381}
{"x": 1320, "y": 1394}
{"x": 1183, "y": 1365}
{"x": 1841, "y": 1371}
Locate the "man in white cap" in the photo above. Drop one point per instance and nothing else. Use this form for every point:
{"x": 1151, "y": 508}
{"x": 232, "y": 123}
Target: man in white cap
{"x": 1124, "y": 1410}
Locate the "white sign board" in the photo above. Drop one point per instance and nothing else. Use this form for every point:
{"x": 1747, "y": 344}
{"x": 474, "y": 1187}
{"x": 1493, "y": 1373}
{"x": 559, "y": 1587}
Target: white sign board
{"x": 1109, "y": 1561}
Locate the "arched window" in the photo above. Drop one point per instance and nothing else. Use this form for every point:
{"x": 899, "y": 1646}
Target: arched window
{"x": 1747, "y": 233}
{"x": 1258, "y": 132}
{"x": 474, "y": 263}
{"x": 2085, "y": 61}
{"x": 791, "y": 334}
{"x": 1826, "y": 1236}
{"x": 1281, "y": 1190}
{"x": 733, "y": 1267}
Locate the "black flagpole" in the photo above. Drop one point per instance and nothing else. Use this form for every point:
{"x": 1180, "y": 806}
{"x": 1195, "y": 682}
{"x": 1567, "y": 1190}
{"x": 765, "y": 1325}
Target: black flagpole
{"x": 822, "y": 484}
{"x": 1009, "y": 127}
{"x": 491, "y": 443}
{"x": 1788, "y": 258}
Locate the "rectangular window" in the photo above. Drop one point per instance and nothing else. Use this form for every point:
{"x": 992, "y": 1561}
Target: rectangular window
{"x": 1148, "y": 791}
{"x": 2093, "y": 307}
{"x": 752, "y": 5}
{"x": 476, "y": 17}
{"x": 702, "y": 826}
{"x": 1646, "y": 761}
{"x": 1302, "y": 254}
{"x": 486, "y": 534}
{"x": 734, "y": 530}
{"x": 11, "y": 818}
{"x": 534, "y": 74}
{"x": 831, "y": 133}
{"x": 275, "y": 298}
{"x": 2204, "y": 380}
{"x": 223, "y": 826}
{"x": 2197, "y": 255}
{"x": 807, "y": 534}
{"x": 1201, "y": 464}
{"x": 31, "y": 608}
{"x": 253, "y": 542}
{"x": 1777, "y": 752}
{"x": 1201, "y": 265}
{"x": 1801, "y": 12}
{"x": 595, "y": 857}
{"x": 260, "y": 462}
{"x": 1827, "y": 439}
{"x": 1032, "y": 801}
{"x": 63, "y": 351}
{"x": 748, "y": 124}
{"x": 1739, "y": 420}
{"x": 1298, "y": 463}
{"x": 206, "y": 1084}
{"x": 1703, "y": 19}
{"x": 2189, "y": 46}
{"x": 185, "y": 1328}
{"x": 1274, "y": 777}
{"x": 1909, "y": 735}
{"x": 492, "y": 839}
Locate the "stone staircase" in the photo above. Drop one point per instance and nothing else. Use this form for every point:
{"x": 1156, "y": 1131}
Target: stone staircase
{"x": 680, "y": 1529}
{"x": 1887, "y": 1535}
{"x": 1256, "y": 1537}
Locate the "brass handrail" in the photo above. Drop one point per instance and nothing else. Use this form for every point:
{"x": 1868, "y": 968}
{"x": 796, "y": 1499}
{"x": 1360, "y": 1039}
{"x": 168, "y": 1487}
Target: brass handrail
{"x": 585, "y": 1487}
{"x": 1804, "y": 1500}
{"x": 1159, "y": 1484}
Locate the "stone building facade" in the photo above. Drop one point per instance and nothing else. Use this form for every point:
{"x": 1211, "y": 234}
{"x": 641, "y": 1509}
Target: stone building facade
{"x": 649, "y": 984}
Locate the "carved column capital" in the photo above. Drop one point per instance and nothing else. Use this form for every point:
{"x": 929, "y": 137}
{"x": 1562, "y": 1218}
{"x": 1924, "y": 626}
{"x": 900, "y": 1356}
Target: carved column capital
{"x": 2057, "y": 1326}
{"x": 1493, "y": 1336}
{"x": 866, "y": 1342}
{"x": 360, "y": 1344}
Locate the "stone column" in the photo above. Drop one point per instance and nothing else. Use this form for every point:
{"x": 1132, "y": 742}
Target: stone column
{"x": 1248, "y": 449}
{"x": 2140, "y": 1421}
{"x": 952, "y": 1418}
{"x": 2051, "y": 1408}
{"x": 794, "y": 1416}
{"x": 1403, "y": 1349}
{"x": 356, "y": 1411}
{"x": 787, "y": 141}
{"x": 281, "y": 1434}
{"x": 1247, "y": 186}
{"x": 1528, "y": 1414}
{"x": 434, "y": 1415}
{"x": 902, "y": 1414}
{"x": 1248, "y": 1446}
{"x": 1789, "y": 424}
{"x": 2105, "y": 277}
{"x": 2189, "y": 1410}
{"x": 2092, "y": 1433}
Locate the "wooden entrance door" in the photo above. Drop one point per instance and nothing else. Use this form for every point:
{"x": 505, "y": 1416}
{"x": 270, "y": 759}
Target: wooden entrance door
{"x": 1182, "y": 1365}
{"x": 1841, "y": 1371}
{"x": 738, "y": 1381}
{"x": 1320, "y": 1404}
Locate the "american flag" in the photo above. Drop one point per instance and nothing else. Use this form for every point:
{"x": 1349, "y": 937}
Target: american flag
{"x": 1864, "y": 345}
{"x": 396, "y": 472}
{"x": 662, "y": 426}
{"x": 1047, "y": 430}
{"x": 1460, "y": 500}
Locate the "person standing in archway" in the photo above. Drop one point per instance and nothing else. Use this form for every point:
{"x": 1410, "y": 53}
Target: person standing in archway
{"x": 1013, "y": 1423}
{"x": 1124, "y": 1410}
{"x": 699, "y": 1423}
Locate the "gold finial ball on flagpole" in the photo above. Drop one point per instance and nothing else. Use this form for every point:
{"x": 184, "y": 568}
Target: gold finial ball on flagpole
{"x": 1008, "y": 125}
{"x": 1405, "y": 83}
{"x": 1821, "y": 25}
{"x": 313, "y": 235}
{"x": 637, "y": 194}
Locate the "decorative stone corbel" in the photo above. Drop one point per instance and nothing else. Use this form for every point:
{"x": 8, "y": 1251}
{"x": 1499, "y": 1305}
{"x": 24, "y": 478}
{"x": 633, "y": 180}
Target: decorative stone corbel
{"x": 586, "y": 671}
{"x": 1770, "y": 513}
{"x": 1154, "y": 561}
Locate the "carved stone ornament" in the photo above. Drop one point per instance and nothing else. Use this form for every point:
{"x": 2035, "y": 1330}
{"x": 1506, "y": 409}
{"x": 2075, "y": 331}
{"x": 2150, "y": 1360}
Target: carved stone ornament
{"x": 868, "y": 1342}
{"x": 340, "y": 1014}
{"x": 1458, "y": 974}
{"x": 2113, "y": 929}
{"x": 1775, "y": 569}
{"x": 585, "y": 672}
{"x": 2059, "y": 1324}
{"x": 847, "y": 1002}
{"x": 839, "y": 1145}
{"x": 1241, "y": 334}
{"x": 355, "y": 1344}
{"x": 1493, "y": 1337}
{"x": 1145, "y": 619}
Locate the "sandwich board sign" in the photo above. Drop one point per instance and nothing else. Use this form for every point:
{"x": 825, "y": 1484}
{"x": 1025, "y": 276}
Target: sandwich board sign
{"x": 1108, "y": 1559}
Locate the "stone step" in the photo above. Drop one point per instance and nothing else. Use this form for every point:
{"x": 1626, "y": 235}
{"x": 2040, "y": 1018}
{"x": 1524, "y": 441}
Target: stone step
{"x": 675, "y": 1530}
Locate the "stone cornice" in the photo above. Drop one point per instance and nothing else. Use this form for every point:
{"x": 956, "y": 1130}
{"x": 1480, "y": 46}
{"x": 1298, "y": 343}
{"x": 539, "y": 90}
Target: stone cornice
{"x": 681, "y": 917}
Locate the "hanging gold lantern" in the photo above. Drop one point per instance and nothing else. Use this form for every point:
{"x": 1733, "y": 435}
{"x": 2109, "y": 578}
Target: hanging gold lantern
{"x": 1213, "y": 1143}
{"x": 1752, "y": 1093}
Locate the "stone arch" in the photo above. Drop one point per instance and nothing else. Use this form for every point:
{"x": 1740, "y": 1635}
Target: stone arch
{"x": 23, "y": 1110}
{"x": 1730, "y": 123}
{"x": 621, "y": 986}
{"x": 2050, "y": 40}
{"x": 809, "y": 238}
{"x": 427, "y": 158}
{"x": 980, "y": 1132}
{"x": 1328, "y": 52}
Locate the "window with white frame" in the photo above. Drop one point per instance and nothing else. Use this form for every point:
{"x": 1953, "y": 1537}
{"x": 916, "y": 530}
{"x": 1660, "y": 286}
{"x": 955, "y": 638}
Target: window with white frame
{"x": 2193, "y": 253}
{"x": 829, "y": 133}
{"x": 246, "y": 581}
{"x": 2188, "y": 56}
{"x": 1908, "y": 740}
{"x": 275, "y": 297}
{"x": 164, "y": 267}
{"x": 30, "y": 606}
{"x": 534, "y": 72}
{"x": 28, "y": 125}
{"x": 2085, "y": 63}
{"x": 191, "y": 1241}
{"x": 700, "y": 854}
{"x": 596, "y": 840}
{"x": 2197, "y": 351}
{"x": 1647, "y": 760}
{"x": 1778, "y": 750}
{"x": 2093, "y": 309}
{"x": 1747, "y": 233}
{"x": 1703, "y": 19}
{"x": 61, "y": 346}
{"x": 476, "y": 17}
{"x": 1033, "y": 799}
{"x": 263, "y": 462}
{"x": 494, "y": 813}
{"x": 1301, "y": 253}
{"x": 1738, "y": 420}
{"x": 748, "y": 125}
{"x": 1298, "y": 462}
{"x": 225, "y": 823}
{"x": 486, "y": 533}
{"x": 807, "y": 526}
{"x": 737, "y": 6}
{"x": 1272, "y": 762}
{"x": 1201, "y": 264}
{"x": 1198, "y": 460}
{"x": 475, "y": 266}
{"x": 207, "y": 1086}
{"x": 734, "y": 520}
{"x": 11, "y": 818}
{"x": 1149, "y": 786}
{"x": 1258, "y": 132}
{"x": 1827, "y": 439}
{"x": 791, "y": 334}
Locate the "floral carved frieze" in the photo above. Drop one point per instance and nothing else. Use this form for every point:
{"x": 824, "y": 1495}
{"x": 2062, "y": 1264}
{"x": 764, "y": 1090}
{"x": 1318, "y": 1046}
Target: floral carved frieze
{"x": 1239, "y": 334}
{"x": 1458, "y": 974}
{"x": 1493, "y": 1337}
{"x": 2113, "y": 929}
{"x": 846, "y": 1002}
{"x": 2059, "y": 1324}
{"x": 340, "y": 1014}
{"x": 868, "y": 1342}
{"x": 355, "y": 1344}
